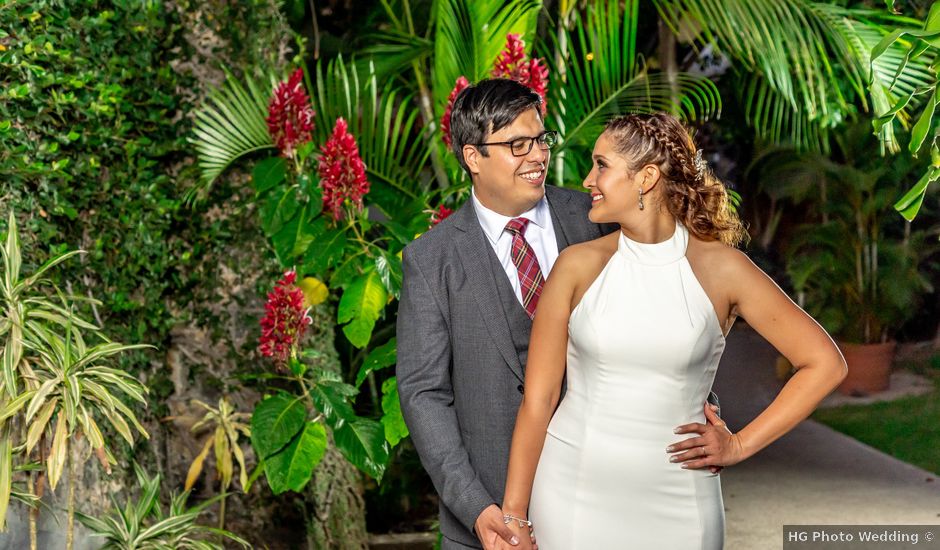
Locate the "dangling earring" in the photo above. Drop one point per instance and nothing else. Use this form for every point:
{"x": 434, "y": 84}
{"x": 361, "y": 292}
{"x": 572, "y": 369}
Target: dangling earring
{"x": 641, "y": 199}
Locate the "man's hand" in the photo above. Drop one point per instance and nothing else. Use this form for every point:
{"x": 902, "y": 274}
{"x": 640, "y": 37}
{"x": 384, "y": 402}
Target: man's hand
{"x": 491, "y": 530}
{"x": 715, "y": 447}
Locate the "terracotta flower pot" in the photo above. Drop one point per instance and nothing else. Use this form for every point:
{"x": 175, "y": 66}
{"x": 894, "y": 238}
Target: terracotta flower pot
{"x": 869, "y": 367}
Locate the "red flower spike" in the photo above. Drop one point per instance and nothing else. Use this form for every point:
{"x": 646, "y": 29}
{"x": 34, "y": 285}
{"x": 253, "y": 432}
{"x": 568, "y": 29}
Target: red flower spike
{"x": 285, "y": 321}
{"x": 511, "y": 61}
{"x": 439, "y": 215}
{"x": 462, "y": 83}
{"x": 290, "y": 116}
{"x": 342, "y": 172}
{"x": 512, "y": 64}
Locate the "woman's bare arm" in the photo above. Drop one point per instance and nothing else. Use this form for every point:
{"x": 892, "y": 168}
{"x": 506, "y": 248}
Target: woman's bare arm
{"x": 819, "y": 364}
{"x": 545, "y": 370}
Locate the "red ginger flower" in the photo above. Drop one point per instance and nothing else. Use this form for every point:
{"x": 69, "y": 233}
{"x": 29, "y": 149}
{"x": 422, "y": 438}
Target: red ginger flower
{"x": 439, "y": 215}
{"x": 342, "y": 172}
{"x": 290, "y": 116}
{"x": 285, "y": 320}
{"x": 512, "y": 64}
{"x": 462, "y": 83}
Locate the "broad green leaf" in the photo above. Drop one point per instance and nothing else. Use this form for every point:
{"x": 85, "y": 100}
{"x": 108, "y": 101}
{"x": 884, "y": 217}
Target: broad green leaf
{"x": 268, "y": 173}
{"x": 379, "y": 358}
{"x": 291, "y": 468}
{"x": 909, "y": 205}
{"x": 392, "y": 420}
{"x": 919, "y": 132}
{"x": 278, "y": 208}
{"x": 333, "y": 400}
{"x": 326, "y": 249}
{"x": 292, "y": 239}
{"x": 388, "y": 267}
{"x": 275, "y": 421}
{"x": 360, "y": 306}
{"x": 363, "y": 443}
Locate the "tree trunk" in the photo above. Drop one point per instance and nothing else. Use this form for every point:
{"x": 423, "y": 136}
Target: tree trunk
{"x": 70, "y": 528}
{"x": 33, "y": 512}
{"x": 337, "y": 518}
{"x": 667, "y": 63}
{"x": 338, "y": 510}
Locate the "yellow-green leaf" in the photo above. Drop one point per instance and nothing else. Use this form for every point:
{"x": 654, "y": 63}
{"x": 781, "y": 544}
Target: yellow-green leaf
{"x": 315, "y": 292}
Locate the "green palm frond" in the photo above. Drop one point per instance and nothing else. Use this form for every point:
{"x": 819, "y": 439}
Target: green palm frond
{"x": 231, "y": 124}
{"x": 785, "y": 40}
{"x": 774, "y": 120}
{"x": 897, "y": 83}
{"x": 392, "y": 52}
{"x": 808, "y": 61}
{"x": 471, "y": 34}
{"x": 604, "y": 76}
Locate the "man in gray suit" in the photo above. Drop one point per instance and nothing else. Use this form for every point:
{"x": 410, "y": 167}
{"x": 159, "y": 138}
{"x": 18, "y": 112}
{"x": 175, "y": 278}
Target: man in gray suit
{"x": 470, "y": 288}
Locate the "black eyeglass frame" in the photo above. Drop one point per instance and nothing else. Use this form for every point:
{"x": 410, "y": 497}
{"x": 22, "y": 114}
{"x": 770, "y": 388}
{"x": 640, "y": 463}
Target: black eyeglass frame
{"x": 541, "y": 138}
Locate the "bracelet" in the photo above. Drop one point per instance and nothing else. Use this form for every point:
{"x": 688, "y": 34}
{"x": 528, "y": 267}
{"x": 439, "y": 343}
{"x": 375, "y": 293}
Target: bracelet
{"x": 522, "y": 522}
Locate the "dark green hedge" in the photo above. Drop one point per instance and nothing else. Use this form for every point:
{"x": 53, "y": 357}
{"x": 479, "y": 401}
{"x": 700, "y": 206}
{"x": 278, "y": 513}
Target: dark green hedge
{"x": 93, "y": 153}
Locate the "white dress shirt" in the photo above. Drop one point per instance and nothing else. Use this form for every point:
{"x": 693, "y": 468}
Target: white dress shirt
{"x": 540, "y": 234}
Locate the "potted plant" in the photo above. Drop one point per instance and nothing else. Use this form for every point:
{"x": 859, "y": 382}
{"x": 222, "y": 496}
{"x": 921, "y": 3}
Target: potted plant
{"x": 856, "y": 267}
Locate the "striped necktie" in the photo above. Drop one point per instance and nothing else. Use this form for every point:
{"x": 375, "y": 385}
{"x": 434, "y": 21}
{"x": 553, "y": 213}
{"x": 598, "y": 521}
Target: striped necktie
{"x": 527, "y": 265}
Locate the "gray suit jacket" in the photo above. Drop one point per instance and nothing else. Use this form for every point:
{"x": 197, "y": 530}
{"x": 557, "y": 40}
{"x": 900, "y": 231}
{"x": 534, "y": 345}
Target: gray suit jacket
{"x": 463, "y": 340}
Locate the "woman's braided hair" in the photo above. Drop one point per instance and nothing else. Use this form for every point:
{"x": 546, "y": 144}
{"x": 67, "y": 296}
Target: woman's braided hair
{"x": 692, "y": 194}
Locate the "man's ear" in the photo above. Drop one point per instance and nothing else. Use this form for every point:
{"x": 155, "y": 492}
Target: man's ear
{"x": 472, "y": 156}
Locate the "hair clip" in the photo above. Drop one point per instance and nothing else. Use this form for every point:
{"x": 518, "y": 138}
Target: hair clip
{"x": 701, "y": 165}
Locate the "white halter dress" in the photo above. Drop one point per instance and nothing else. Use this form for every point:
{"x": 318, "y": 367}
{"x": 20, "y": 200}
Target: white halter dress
{"x": 644, "y": 345}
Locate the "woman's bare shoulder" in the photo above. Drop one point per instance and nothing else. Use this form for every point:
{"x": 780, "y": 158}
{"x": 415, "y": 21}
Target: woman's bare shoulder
{"x": 716, "y": 256}
{"x": 579, "y": 265}
{"x": 584, "y": 257}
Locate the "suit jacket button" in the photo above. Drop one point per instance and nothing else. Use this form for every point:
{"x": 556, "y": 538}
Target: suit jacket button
{"x": 520, "y": 388}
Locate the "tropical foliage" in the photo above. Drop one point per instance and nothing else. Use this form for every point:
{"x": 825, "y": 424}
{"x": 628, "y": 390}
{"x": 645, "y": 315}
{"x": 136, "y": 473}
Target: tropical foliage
{"x": 854, "y": 264}
{"x": 802, "y": 67}
{"x": 53, "y": 376}
{"x": 224, "y": 424}
{"x": 143, "y": 524}
{"x": 921, "y": 47}
{"x": 347, "y": 159}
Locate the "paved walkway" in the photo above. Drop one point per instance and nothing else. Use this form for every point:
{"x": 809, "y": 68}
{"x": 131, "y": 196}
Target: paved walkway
{"x": 813, "y": 475}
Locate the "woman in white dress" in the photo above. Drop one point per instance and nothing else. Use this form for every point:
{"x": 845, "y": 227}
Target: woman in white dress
{"x": 637, "y": 320}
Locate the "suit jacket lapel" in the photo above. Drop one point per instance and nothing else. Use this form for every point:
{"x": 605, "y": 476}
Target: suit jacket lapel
{"x": 473, "y": 250}
{"x": 570, "y": 225}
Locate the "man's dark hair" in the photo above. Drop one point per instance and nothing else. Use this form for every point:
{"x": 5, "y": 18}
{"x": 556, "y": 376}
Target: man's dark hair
{"x": 485, "y": 108}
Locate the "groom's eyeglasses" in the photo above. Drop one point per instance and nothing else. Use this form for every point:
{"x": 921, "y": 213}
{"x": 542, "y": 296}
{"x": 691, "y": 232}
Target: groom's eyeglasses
{"x": 521, "y": 147}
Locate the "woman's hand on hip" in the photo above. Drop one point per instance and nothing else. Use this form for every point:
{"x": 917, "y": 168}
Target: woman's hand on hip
{"x": 714, "y": 447}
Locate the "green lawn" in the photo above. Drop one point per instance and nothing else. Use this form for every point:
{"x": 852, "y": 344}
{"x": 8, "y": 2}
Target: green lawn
{"x": 907, "y": 428}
